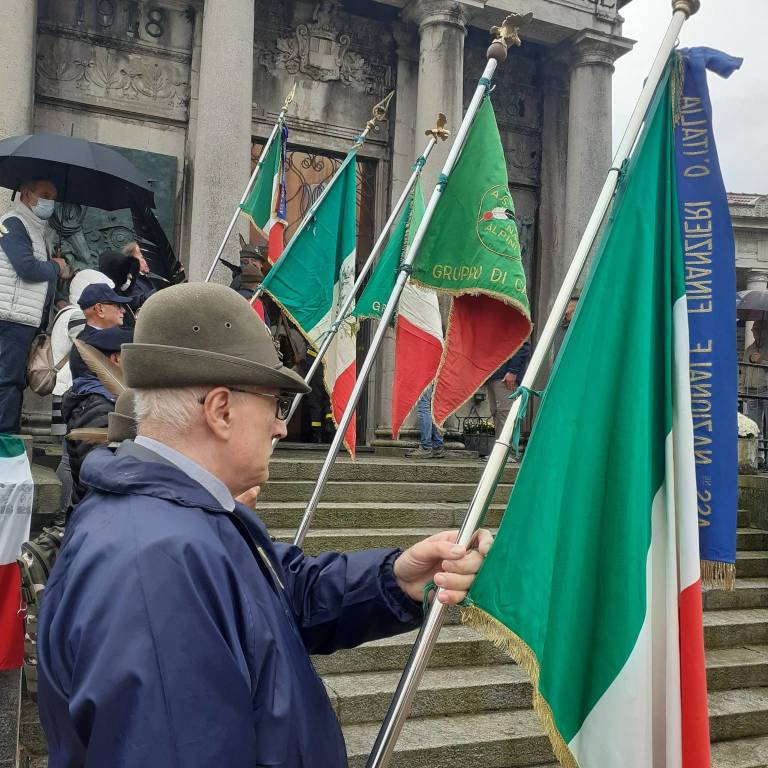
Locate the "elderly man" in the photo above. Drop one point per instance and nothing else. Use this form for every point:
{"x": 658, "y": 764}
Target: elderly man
{"x": 174, "y": 630}
{"x": 26, "y": 284}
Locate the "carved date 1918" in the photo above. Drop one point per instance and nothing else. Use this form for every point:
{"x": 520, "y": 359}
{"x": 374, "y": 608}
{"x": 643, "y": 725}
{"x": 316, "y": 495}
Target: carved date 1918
{"x": 130, "y": 16}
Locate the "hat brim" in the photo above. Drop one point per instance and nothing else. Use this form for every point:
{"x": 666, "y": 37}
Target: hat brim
{"x": 157, "y": 366}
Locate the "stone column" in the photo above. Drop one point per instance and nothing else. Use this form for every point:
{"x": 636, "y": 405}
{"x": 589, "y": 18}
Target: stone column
{"x": 442, "y": 26}
{"x": 757, "y": 280}
{"x": 589, "y": 127}
{"x": 18, "y": 41}
{"x": 408, "y": 141}
{"x": 554, "y": 260}
{"x": 221, "y": 164}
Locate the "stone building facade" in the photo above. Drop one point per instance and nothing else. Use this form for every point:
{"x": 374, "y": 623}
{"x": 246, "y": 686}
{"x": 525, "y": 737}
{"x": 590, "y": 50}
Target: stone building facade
{"x": 189, "y": 89}
{"x": 749, "y": 214}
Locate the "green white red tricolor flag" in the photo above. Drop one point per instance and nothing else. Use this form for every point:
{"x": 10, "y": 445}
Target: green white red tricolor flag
{"x": 419, "y": 329}
{"x": 471, "y": 252}
{"x": 593, "y": 583}
{"x": 313, "y": 278}
{"x": 265, "y": 204}
{"x": 16, "y": 492}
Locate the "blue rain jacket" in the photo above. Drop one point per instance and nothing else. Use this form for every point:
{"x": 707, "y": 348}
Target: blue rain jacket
{"x": 174, "y": 633}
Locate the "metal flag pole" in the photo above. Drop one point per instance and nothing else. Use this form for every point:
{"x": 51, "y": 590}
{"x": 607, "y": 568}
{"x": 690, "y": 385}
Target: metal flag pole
{"x": 275, "y": 129}
{"x": 401, "y": 703}
{"x": 498, "y": 47}
{"x": 378, "y": 113}
{"x": 438, "y": 132}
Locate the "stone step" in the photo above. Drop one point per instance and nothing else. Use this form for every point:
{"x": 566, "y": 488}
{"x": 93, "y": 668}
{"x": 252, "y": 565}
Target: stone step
{"x": 360, "y": 514}
{"x": 346, "y": 491}
{"x": 751, "y": 564}
{"x": 738, "y": 713}
{"x": 743, "y": 517}
{"x": 753, "y": 539}
{"x": 743, "y": 667}
{"x": 492, "y": 740}
{"x": 749, "y": 593}
{"x": 354, "y": 539}
{"x": 730, "y": 629}
{"x": 741, "y": 753}
{"x": 457, "y": 646}
{"x": 382, "y": 469}
{"x": 365, "y": 696}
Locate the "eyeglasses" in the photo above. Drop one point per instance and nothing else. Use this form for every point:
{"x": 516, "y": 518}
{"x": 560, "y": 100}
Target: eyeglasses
{"x": 282, "y": 404}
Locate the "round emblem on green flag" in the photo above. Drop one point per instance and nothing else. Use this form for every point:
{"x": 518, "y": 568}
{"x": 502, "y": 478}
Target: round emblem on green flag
{"x": 496, "y": 226}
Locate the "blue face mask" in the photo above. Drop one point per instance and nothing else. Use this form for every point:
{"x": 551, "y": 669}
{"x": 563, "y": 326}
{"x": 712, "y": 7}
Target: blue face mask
{"x": 44, "y": 208}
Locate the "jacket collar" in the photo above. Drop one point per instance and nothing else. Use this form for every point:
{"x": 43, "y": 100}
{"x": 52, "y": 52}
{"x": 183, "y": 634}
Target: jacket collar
{"x": 29, "y": 218}
{"x": 133, "y": 470}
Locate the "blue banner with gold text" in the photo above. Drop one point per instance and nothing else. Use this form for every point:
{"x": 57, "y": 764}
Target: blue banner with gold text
{"x": 710, "y": 278}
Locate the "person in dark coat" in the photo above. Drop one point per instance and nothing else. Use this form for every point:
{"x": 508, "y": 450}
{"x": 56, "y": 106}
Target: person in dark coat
{"x": 174, "y": 631}
{"x": 125, "y": 272}
{"x": 88, "y": 403}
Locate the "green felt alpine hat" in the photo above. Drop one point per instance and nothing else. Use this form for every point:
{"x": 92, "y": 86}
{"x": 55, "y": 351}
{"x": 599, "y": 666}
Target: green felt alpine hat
{"x": 203, "y": 334}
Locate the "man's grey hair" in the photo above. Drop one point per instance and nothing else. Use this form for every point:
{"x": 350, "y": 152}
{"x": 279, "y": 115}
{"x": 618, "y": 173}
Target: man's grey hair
{"x": 30, "y": 184}
{"x": 128, "y": 248}
{"x": 174, "y": 409}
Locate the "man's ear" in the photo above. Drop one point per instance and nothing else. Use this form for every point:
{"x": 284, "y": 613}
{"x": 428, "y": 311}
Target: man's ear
{"x": 218, "y": 412}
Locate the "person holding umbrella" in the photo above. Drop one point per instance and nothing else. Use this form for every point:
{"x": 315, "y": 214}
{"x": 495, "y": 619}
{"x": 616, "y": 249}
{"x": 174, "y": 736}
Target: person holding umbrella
{"x": 27, "y": 278}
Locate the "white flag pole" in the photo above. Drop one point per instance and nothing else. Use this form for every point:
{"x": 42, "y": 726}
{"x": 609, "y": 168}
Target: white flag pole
{"x": 422, "y": 649}
{"x": 249, "y": 186}
{"x": 366, "y": 268}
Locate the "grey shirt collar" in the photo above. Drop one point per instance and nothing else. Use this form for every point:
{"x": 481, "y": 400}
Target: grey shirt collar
{"x": 192, "y": 469}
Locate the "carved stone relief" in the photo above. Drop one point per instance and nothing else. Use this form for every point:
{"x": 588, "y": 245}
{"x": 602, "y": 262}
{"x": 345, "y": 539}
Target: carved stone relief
{"x": 83, "y": 72}
{"x": 326, "y": 49}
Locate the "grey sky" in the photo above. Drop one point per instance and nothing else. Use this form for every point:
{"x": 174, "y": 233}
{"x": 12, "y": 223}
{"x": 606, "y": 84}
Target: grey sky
{"x": 740, "y": 104}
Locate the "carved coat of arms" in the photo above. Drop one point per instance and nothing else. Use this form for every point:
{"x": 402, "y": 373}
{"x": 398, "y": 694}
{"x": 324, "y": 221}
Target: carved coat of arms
{"x": 318, "y": 49}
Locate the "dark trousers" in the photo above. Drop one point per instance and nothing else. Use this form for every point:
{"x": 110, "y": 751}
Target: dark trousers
{"x": 15, "y": 341}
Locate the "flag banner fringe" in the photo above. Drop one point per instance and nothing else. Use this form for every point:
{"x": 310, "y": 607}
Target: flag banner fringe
{"x": 316, "y": 345}
{"x": 718, "y": 575}
{"x": 510, "y": 303}
{"x": 506, "y": 640}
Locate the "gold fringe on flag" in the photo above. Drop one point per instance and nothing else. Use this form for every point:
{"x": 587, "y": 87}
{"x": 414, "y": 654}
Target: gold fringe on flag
{"x": 717, "y": 575}
{"x": 505, "y": 639}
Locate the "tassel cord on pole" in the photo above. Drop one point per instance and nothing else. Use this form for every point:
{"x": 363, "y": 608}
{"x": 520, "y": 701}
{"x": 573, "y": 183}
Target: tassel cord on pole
{"x": 399, "y": 709}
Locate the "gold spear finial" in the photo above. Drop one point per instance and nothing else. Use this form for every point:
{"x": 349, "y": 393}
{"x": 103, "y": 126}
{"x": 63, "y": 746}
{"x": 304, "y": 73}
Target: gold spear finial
{"x": 688, "y": 7}
{"x": 289, "y": 98}
{"x": 379, "y": 112}
{"x": 507, "y": 34}
{"x": 439, "y": 131}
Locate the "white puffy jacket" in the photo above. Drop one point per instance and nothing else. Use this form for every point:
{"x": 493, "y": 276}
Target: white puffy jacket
{"x": 22, "y": 301}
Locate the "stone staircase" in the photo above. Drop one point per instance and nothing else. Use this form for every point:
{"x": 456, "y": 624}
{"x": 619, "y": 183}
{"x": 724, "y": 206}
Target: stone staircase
{"x": 474, "y": 705}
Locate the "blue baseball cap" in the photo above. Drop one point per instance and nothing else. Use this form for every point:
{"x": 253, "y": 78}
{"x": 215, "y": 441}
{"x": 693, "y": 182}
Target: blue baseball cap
{"x": 100, "y": 293}
{"x": 108, "y": 340}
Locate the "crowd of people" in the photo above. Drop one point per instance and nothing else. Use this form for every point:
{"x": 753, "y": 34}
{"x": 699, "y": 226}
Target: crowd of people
{"x": 174, "y": 630}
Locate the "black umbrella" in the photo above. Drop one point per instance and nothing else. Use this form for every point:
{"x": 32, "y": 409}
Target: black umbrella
{"x": 83, "y": 172}
{"x": 750, "y": 305}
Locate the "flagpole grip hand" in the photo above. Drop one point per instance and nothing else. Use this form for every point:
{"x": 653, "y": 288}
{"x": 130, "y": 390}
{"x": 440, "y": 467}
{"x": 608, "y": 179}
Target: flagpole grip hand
{"x": 439, "y": 559}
